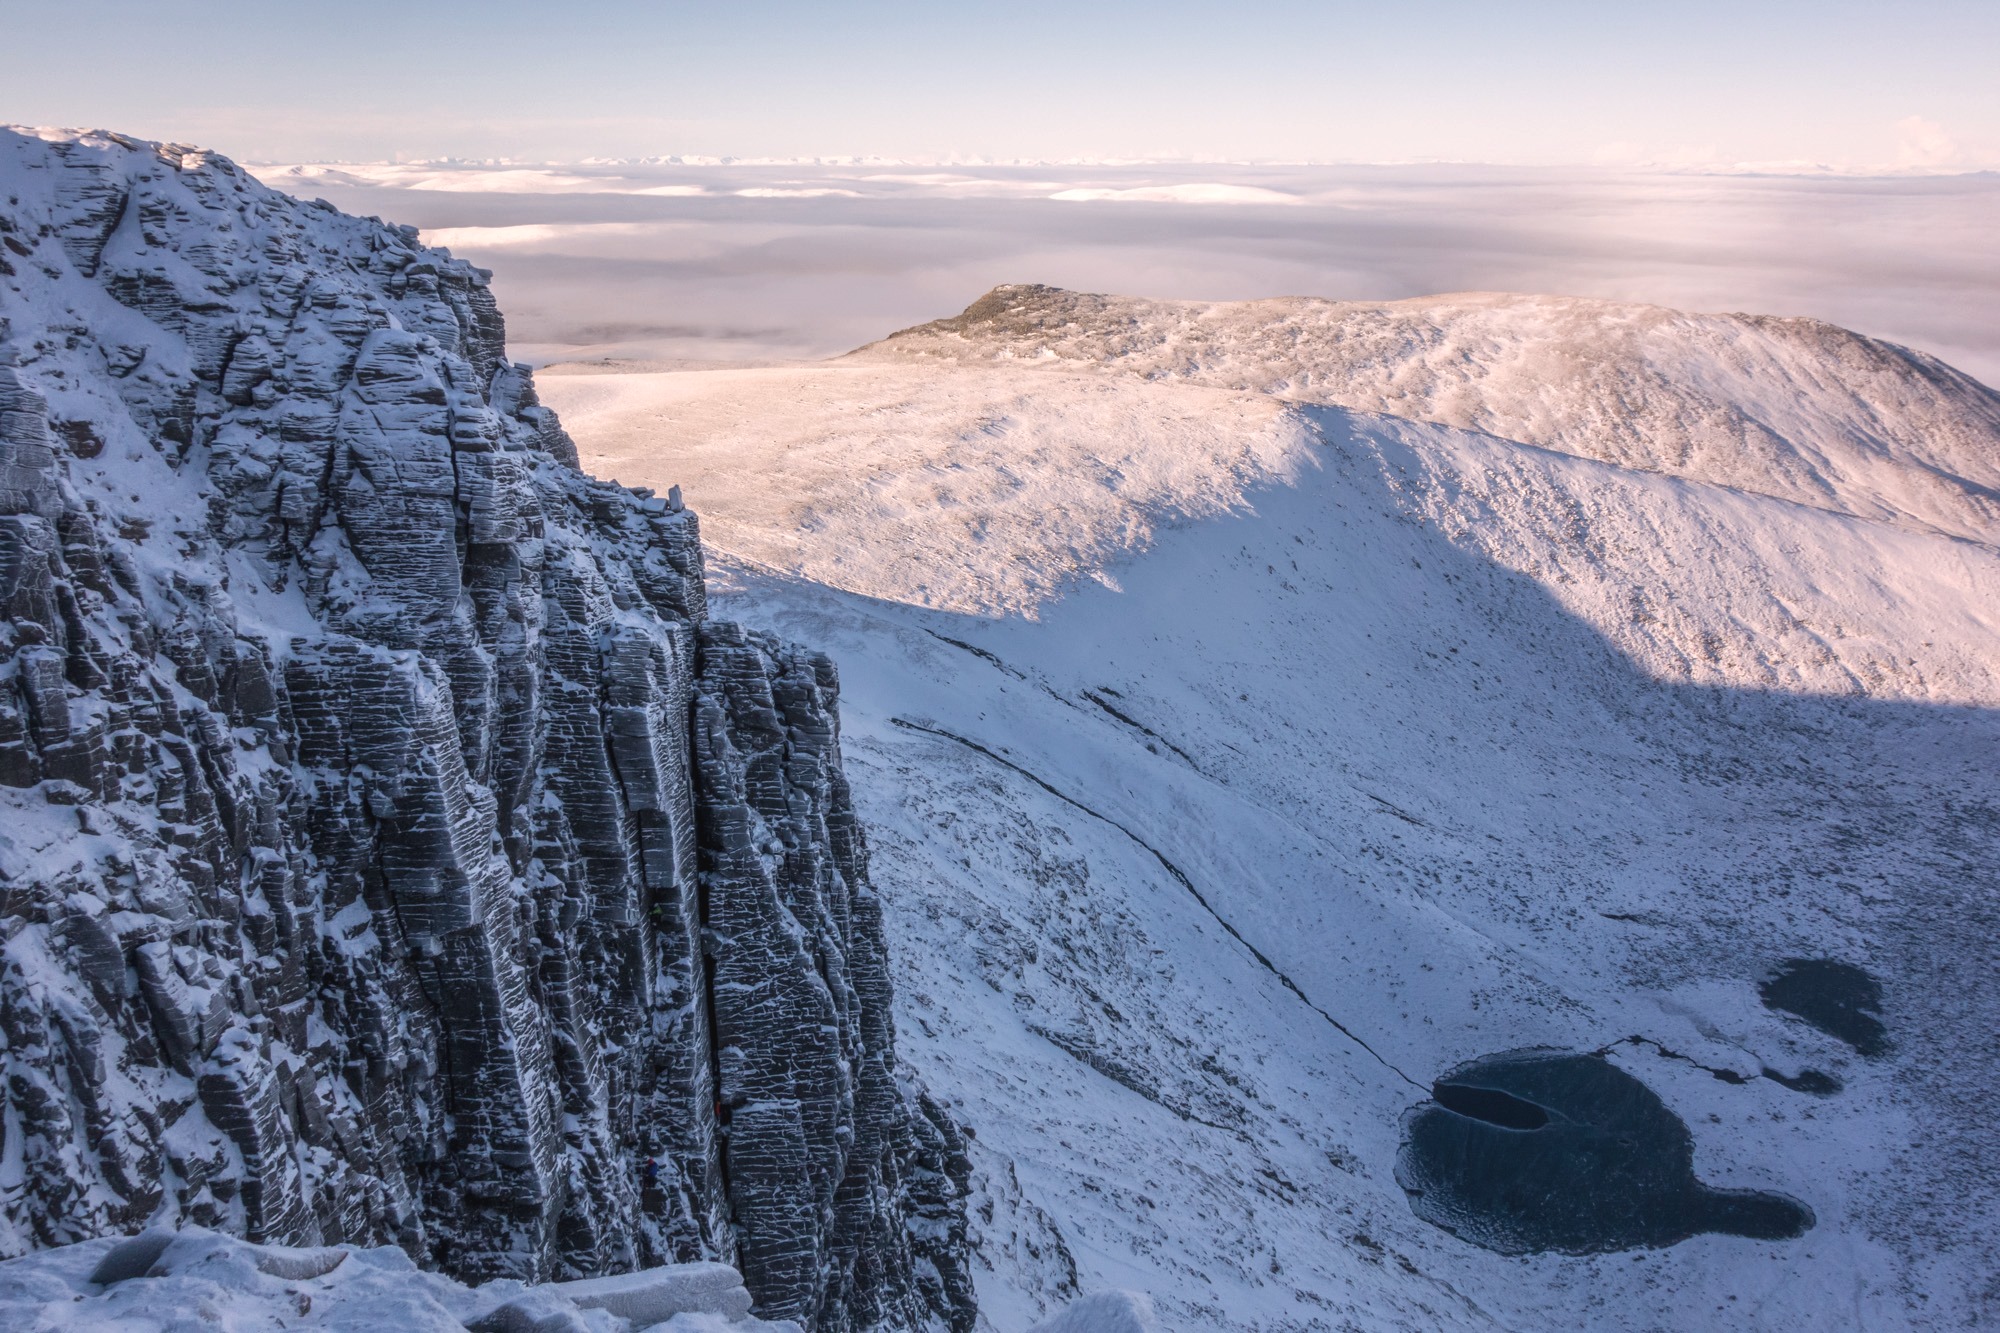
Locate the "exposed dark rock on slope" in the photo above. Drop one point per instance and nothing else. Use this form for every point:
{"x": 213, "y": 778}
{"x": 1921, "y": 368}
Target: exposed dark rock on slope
{"x": 390, "y": 848}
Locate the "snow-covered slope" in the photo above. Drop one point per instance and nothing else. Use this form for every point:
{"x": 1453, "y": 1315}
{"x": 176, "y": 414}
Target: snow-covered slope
{"x": 992, "y": 490}
{"x": 983, "y": 491}
{"x": 1348, "y": 747}
{"x": 163, "y": 1280}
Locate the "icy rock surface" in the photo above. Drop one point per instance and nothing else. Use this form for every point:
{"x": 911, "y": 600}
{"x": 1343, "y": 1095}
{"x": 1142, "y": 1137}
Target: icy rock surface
{"x": 393, "y": 852}
{"x": 656, "y": 1295}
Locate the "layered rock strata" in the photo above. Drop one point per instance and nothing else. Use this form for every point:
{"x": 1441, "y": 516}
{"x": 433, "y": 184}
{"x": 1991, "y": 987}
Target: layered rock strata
{"x": 393, "y": 849}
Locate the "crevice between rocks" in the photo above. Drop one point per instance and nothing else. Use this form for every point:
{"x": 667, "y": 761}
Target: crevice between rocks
{"x": 1095, "y": 696}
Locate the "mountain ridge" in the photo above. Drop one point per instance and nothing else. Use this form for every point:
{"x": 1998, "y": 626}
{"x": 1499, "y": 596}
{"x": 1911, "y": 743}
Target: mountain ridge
{"x": 1796, "y": 408}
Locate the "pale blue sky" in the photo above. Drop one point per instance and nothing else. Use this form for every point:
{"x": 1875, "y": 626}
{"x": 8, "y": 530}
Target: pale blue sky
{"x": 1694, "y": 82}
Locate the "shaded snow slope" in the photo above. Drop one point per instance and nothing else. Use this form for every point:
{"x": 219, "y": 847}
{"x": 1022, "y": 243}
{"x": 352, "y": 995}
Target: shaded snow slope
{"x": 1415, "y": 745}
{"x": 1794, "y": 408}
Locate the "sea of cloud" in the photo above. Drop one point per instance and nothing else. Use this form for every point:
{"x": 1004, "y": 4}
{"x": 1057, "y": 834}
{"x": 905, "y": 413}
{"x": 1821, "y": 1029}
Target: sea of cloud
{"x": 704, "y": 262}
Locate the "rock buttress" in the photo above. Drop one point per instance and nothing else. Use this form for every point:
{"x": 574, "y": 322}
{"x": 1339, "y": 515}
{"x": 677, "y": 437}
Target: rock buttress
{"x": 393, "y": 851}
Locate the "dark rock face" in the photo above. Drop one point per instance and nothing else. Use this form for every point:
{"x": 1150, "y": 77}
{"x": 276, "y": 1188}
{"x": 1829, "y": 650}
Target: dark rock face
{"x": 391, "y": 850}
{"x": 797, "y": 944}
{"x": 1545, "y": 1150}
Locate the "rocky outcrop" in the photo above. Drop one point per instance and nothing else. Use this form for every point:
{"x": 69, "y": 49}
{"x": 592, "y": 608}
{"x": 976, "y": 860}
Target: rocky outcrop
{"x": 798, "y": 948}
{"x": 393, "y": 849}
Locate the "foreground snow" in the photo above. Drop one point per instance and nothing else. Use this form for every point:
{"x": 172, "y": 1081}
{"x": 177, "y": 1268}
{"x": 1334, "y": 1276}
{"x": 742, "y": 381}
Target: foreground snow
{"x": 165, "y": 1281}
{"x": 1104, "y": 1312}
{"x": 1344, "y": 748}
{"x": 201, "y": 1279}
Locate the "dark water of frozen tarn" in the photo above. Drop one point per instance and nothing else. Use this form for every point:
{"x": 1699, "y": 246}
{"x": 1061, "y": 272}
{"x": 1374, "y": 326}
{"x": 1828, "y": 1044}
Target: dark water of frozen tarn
{"x": 1548, "y": 1150}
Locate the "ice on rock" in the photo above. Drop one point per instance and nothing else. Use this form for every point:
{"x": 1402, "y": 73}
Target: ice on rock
{"x": 132, "y": 1258}
{"x": 540, "y": 1311}
{"x": 393, "y": 854}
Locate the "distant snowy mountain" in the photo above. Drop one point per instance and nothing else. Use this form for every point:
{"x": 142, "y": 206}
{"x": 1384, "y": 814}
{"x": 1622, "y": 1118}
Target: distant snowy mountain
{"x": 1266, "y": 710}
{"x": 1793, "y": 408}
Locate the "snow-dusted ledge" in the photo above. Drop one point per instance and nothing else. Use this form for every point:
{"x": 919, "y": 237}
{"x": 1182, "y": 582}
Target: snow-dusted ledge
{"x": 196, "y": 1278}
{"x": 163, "y": 1281}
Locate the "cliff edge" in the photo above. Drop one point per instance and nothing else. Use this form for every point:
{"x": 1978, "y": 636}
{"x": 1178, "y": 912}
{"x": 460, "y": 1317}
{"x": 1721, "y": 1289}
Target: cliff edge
{"x": 394, "y": 851}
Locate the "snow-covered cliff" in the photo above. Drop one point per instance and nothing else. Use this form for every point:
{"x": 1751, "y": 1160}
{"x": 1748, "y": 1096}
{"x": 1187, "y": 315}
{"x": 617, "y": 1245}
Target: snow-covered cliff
{"x": 393, "y": 850}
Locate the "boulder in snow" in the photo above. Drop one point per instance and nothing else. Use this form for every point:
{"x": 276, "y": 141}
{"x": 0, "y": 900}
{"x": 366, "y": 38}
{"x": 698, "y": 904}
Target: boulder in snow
{"x": 1104, "y": 1312}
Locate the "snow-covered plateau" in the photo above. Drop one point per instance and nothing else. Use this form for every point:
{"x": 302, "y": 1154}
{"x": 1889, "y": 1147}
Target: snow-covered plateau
{"x": 1462, "y": 813}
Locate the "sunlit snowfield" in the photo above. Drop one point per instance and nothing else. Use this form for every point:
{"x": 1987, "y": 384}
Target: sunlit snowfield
{"x": 752, "y": 263}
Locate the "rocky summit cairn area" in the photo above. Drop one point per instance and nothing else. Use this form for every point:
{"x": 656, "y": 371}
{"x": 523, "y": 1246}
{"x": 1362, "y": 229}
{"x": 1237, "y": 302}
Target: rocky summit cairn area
{"x": 397, "y": 852}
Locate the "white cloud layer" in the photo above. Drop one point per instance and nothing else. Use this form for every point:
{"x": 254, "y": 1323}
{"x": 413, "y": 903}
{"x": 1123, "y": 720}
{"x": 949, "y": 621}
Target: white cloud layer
{"x": 1204, "y": 192}
{"x": 1924, "y": 143}
{"x": 735, "y": 262}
